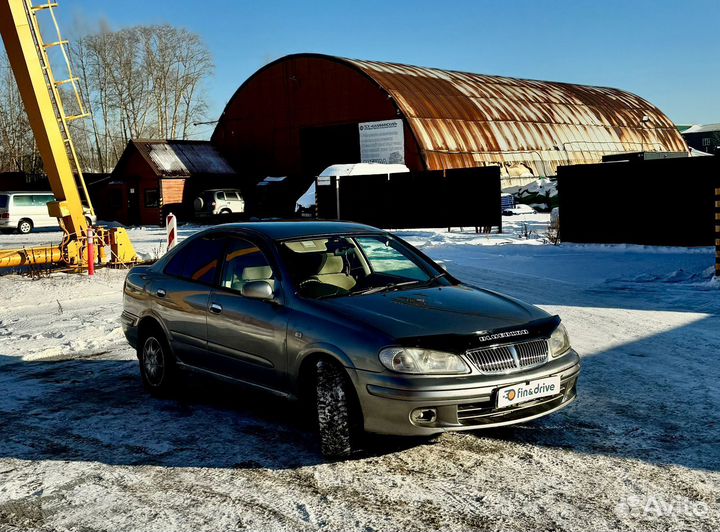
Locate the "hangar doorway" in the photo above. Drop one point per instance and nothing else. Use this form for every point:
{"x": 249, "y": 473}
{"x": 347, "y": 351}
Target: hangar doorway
{"x": 327, "y": 145}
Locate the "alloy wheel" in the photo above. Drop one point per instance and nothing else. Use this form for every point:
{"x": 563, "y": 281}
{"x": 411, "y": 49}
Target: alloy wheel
{"x": 153, "y": 361}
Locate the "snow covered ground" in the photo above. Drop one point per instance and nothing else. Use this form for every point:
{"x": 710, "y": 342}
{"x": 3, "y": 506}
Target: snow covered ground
{"x": 82, "y": 447}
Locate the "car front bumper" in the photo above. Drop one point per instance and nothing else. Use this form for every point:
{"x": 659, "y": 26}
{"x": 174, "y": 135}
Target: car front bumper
{"x": 465, "y": 402}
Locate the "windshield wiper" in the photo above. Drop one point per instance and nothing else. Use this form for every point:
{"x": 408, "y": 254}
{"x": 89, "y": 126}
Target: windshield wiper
{"x": 436, "y": 277}
{"x": 377, "y": 289}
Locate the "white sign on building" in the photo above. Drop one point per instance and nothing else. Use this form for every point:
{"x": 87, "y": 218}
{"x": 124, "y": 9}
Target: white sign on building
{"x": 382, "y": 142}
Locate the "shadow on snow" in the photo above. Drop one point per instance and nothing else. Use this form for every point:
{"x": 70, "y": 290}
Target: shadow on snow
{"x": 97, "y": 410}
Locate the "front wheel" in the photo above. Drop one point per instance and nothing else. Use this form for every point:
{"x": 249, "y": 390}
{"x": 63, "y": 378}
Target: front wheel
{"x": 337, "y": 413}
{"x": 157, "y": 364}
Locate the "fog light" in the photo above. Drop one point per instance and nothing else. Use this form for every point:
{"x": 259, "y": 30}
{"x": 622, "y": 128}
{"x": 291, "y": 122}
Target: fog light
{"x": 423, "y": 415}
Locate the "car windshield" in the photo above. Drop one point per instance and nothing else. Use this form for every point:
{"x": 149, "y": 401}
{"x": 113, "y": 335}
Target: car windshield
{"x": 356, "y": 265}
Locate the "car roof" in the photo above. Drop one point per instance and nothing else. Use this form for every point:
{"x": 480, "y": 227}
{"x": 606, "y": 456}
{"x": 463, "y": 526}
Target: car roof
{"x": 285, "y": 230}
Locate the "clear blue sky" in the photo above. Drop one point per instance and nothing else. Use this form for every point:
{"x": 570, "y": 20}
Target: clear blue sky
{"x": 665, "y": 51}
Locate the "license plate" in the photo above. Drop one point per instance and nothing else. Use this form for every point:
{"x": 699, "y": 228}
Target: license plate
{"x": 528, "y": 391}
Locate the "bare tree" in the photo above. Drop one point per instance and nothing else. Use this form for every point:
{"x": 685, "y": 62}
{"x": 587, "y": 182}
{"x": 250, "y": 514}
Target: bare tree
{"x": 141, "y": 82}
{"x": 18, "y": 152}
{"x": 138, "y": 82}
{"x": 179, "y": 63}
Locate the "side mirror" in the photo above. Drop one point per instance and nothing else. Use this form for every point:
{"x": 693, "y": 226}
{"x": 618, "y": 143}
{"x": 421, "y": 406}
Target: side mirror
{"x": 257, "y": 290}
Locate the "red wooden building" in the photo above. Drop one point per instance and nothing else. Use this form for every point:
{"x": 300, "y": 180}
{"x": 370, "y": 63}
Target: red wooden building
{"x": 154, "y": 177}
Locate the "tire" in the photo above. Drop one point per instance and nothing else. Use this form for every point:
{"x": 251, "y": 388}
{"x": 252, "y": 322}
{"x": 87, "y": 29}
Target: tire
{"x": 157, "y": 364}
{"x": 225, "y": 211}
{"x": 337, "y": 414}
{"x": 25, "y": 226}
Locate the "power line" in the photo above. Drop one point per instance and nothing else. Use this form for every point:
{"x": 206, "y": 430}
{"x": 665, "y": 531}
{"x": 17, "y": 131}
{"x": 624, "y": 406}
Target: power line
{"x": 124, "y": 139}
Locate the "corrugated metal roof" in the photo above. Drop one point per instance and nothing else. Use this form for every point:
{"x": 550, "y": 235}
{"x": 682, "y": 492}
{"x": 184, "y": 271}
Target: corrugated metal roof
{"x": 183, "y": 158}
{"x": 462, "y": 119}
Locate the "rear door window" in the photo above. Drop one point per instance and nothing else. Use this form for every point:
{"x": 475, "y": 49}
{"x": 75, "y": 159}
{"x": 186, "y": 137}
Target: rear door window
{"x": 198, "y": 261}
{"x": 244, "y": 262}
{"x": 4, "y": 200}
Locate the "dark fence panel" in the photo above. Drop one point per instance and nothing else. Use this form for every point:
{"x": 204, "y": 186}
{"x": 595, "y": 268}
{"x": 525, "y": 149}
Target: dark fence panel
{"x": 359, "y": 199}
{"x": 325, "y": 207}
{"x": 668, "y": 202}
{"x": 460, "y": 198}
{"x": 471, "y": 197}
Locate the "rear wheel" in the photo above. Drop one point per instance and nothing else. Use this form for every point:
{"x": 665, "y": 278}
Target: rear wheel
{"x": 226, "y": 211}
{"x": 337, "y": 413}
{"x": 157, "y": 364}
{"x": 25, "y": 226}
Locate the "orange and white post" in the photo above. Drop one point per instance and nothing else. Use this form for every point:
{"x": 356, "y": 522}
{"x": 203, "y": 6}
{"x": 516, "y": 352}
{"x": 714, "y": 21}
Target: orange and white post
{"x": 171, "y": 229}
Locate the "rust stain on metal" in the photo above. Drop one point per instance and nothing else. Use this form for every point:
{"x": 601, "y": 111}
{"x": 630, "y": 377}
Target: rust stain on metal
{"x": 462, "y": 119}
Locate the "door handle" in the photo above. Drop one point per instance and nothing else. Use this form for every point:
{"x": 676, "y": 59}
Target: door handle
{"x": 161, "y": 292}
{"x": 215, "y": 308}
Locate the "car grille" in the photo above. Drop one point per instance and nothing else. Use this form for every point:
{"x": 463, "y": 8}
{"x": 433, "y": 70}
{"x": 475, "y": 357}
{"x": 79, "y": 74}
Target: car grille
{"x": 487, "y": 413}
{"x": 509, "y": 358}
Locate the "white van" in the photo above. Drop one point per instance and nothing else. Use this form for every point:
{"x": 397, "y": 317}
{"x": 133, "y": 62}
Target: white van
{"x": 25, "y": 211}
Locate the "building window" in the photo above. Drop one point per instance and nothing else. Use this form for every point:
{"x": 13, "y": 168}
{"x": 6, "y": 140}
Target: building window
{"x": 152, "y": 198}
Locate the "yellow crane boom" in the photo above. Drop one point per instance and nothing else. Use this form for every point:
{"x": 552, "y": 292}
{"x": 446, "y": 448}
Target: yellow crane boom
{"x": 29, "y": 61}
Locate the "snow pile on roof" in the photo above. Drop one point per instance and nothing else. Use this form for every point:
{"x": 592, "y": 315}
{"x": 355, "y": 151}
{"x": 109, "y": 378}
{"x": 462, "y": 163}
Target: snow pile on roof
{"x": 363, "y": 169}
{"x": 539, "y": 187}
{"x": 307, "y": 200}
{"x": 176, "y": 158}
{"x": 699, "y": 153}
{"x": 707, "y": 128}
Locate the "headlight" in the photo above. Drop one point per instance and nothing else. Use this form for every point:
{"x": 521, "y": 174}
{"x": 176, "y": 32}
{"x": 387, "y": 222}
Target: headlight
{"x": 559, "y": 341}
{"x": 422, "y": 361}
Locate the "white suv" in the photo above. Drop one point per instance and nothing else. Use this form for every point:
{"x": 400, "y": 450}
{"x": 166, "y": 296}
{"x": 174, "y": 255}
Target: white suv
{"x": 219, "y": 201}
{"x": 24, "y": 211}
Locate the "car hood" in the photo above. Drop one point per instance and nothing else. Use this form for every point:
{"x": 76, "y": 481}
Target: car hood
{"x": 436, "y": 312}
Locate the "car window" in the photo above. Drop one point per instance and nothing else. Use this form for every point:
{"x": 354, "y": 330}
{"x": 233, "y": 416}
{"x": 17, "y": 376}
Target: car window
{"x": 236, "y": 196}
{"x": 22, "y": 201}
{"x": 388, "y": 257}
{"x": 244, "y": 262}
{"x": 347, "y": 265}
{"x": 4, "y": 200}
{"x": 220, "y": 196}
{"x": 43, "y": 200}
{"x": 197, "y": 260}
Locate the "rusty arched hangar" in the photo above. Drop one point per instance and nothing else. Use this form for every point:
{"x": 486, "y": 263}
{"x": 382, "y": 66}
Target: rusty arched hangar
{"x": 300, "y": 114}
